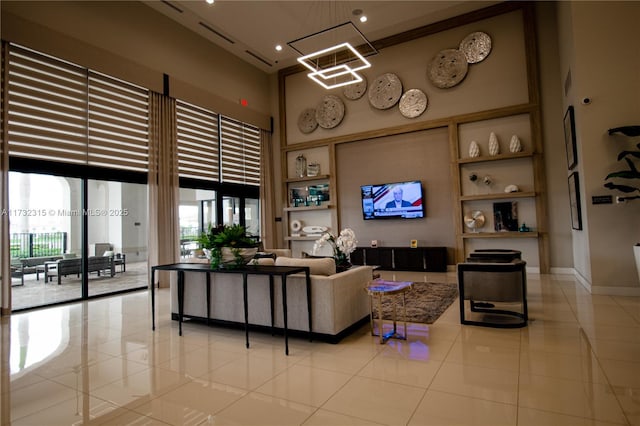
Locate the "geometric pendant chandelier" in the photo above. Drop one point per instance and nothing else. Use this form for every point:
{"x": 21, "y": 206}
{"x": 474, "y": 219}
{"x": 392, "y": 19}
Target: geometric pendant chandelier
{"x": 335, "y": 55}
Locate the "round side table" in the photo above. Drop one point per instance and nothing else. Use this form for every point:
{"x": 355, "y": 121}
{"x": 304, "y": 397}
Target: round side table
{"x": 378, "y": 288}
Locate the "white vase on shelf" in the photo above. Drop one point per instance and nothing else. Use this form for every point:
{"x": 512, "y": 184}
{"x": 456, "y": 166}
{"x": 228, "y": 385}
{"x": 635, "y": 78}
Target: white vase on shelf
{"x": 515, "y": 145}
{"x": 474, "y": 149}
{"x": 494, "y": 146}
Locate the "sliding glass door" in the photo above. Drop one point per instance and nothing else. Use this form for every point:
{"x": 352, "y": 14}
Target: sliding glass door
{"x": 117, "y": 217}
{"x": 45, "y": 226}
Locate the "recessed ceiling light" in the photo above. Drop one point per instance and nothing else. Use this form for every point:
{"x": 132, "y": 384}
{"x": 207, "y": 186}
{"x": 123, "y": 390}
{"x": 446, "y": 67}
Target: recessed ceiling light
{"x": 278, "y": 47}
{"x": 363, "y": 18}
{"x": 210, "y": 1}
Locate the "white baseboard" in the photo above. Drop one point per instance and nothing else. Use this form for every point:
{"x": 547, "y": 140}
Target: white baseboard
{"x": 562, "y": 271}
{"x": 606, "y": 290}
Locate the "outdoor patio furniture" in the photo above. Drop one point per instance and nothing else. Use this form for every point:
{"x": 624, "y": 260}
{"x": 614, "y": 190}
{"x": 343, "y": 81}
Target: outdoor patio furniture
{"x": 65, "y": 267}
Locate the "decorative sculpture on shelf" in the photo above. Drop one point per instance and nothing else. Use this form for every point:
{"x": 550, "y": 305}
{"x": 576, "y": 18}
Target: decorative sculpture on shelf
{"x": 494, "y": 146}
{"x": 474, "y": 149}
{"x": 301, "y": 165}
{"x": 515, "y": 145}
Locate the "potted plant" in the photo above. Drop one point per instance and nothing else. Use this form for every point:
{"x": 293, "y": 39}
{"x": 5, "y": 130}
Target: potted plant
{"x": 630, "y": 185}
{"x": 343, "y": 245}
{"x": 228, "y": 246}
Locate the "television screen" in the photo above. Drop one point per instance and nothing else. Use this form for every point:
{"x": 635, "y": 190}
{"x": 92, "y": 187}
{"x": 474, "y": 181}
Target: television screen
{"x": 393, "y": 200}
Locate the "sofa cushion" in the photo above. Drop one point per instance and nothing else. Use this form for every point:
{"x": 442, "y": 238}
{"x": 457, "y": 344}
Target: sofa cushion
{"x": 326, "y": 266}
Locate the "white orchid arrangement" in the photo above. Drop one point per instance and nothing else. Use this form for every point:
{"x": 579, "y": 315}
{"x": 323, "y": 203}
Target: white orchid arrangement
{"x": 343, "y": 245}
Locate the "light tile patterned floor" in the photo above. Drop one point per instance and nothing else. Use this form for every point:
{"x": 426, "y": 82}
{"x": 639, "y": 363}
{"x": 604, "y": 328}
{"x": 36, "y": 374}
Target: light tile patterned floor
{"x": 98, "y": 362}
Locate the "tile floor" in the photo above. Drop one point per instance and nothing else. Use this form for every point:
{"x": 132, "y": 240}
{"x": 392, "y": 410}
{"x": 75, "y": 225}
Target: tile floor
{"x": 577, "y": 363}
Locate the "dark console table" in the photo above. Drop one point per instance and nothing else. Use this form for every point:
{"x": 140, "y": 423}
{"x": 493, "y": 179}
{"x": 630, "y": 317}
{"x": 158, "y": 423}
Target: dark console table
{"x": 430, "y": 259}
{"x": 270, "y": 271}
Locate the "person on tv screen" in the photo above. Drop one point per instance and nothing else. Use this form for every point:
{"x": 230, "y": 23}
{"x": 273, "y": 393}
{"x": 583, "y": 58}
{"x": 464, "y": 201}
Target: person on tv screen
{"x": 397, "y": 202}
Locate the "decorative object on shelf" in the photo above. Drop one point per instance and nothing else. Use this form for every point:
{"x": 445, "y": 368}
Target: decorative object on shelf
{"x": 632, "y": 173}
{"x": 330, "y": 112}
{"x": 298, "y": 195}
{"x": 474, "y": 220}
{"x": 301, "y": 165}
{"x": 494, "y": 146}
{"x": 413, "y": 103}
{"x": 228, "y": 246}
{"x": 524, "y": 228}
{"x": 307, "y": 122}
{"x": 570, "y": 138}
{"x": 356, "y": 90}
{"x": 447, "y": 68}
{"x": 515, "y": 145}
{"x": 314, "y": 230}
{"x": 505, "y": 216}
{"x": 342, "y": 246}
{"x": 474, "y": 149}
{"x": 473, "y": 177}
{"x": 487, "y": 180}
{"x": 296, "y": 226}
{"x": 476, "y": 47}
{"x": 413, "y": 244}
{"x": 385, "y": 91}
{"x": 319, "y": 192}
{"x": 511, "y": 188}
{"x": 313, "y": 169}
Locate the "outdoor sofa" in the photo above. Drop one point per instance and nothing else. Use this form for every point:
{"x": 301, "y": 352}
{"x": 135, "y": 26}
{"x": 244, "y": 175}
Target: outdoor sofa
{"x": 73, "y": 266}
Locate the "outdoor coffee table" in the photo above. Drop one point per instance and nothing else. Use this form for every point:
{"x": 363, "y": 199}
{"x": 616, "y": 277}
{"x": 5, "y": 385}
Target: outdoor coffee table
{"x": 378, "y": 288}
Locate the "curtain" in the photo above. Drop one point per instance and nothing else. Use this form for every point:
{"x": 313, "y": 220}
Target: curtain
{"x": 5, "y": 254}
{"x": 164, "y": 234}
{"x": 267, "y": 218}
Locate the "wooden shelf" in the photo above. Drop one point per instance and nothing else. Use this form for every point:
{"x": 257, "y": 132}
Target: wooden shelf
{"x": 498, "y": 196}
{"x": 307, "y": 208}
{"x": 508, "y": 156}
{"x": 307, "y": 178}
{"x": 529, "y": 234}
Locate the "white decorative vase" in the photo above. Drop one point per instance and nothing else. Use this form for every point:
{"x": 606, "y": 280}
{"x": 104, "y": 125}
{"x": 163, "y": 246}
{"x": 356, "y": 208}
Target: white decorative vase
{"x": 494, "y": 146}
{"x": 474, "y": 149}
{"x": 515, "y": 145}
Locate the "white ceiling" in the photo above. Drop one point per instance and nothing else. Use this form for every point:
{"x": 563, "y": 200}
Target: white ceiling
{"x": 251, "y": 29}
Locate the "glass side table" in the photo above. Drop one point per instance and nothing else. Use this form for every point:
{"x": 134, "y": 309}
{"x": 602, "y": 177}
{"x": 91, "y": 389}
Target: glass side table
{"x": 377, "y": 289}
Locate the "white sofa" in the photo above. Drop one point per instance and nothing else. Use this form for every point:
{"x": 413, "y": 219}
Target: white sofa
{"x": 339, "y": 301}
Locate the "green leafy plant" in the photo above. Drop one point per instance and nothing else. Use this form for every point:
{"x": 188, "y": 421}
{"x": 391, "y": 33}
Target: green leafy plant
{"x": 631, "y": 174}
{"x": 235, "y": 237}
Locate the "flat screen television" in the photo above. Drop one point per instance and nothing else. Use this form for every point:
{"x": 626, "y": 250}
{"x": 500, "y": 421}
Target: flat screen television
{"x": 395, "y": 200}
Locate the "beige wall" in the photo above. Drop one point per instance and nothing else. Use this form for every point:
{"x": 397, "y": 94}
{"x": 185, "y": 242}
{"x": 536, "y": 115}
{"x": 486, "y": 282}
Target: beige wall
{"x": 599, "y": 49}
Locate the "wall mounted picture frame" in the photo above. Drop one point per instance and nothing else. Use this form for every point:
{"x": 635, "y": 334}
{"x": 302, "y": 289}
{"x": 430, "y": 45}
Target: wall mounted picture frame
{"x": 574, "y": 199}
{"x": 570, "y": 138}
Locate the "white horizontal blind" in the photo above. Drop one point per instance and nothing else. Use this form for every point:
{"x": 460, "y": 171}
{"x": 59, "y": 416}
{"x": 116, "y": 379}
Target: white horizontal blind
{"x": 198, "y": 142}
{"x": 240, "y": 152}
{"x": 118, "y": 124}
{"x": 47, "y": 111}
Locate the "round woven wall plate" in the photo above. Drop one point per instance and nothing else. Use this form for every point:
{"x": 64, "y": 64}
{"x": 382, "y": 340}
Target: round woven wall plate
{"x": 476, "y": 47}
{"x": 307, "y": 122}
{"x": 385, "y": 91}
{"x": 413, "y": 103}
{"x": 448, "y": 68}
{"x": 356, "y": 90}
{"x": 329, "y": 112}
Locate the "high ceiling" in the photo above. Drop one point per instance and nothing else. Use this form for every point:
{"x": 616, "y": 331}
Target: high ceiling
{"x": 252, "y": 29}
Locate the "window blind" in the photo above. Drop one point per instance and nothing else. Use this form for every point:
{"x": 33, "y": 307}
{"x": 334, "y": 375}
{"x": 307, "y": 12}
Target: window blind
{"x": 118, "y": 124}
{"x": 240, "y": 152}
{"x": 47, "y": 111}
{"x": 198, "y": 142}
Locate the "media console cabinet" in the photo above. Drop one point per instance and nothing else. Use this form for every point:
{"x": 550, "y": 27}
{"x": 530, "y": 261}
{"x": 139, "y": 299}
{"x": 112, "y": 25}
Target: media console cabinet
{"x": 430, "y": 259}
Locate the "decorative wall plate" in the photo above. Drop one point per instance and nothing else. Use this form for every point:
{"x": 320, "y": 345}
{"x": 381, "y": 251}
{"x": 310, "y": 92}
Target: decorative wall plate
{"x": 413, "y": 103}
{"x": 330, "y": 112}
{"x": 314, "y": 229}
{"x": 476, "y": 47}
{"x": 356, "y": 90}
{"x": 385, "y": 91}
{"x": 474, "y": 220}
{"x": 448, "y": 68}
{"x": 307, "y": 122}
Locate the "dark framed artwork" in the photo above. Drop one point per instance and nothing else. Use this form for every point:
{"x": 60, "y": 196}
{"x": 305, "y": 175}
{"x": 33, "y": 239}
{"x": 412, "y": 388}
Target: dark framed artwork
{"x": 570, "y": 138}
{"x": 574, "y": 199}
